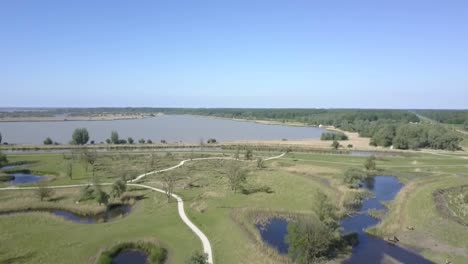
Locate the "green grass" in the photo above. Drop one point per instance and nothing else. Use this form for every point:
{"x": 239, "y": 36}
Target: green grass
{"x": 220, "y": 213}
{"x": 44, "y": 238}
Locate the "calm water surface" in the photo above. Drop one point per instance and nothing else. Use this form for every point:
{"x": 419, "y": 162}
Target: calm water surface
{"x": 370, "y": 249}
{"x": 23, "y": 178}
{"x": 114, "y": 212}
{"x": 130, "y": 256}
{"x": 172, "y": 128}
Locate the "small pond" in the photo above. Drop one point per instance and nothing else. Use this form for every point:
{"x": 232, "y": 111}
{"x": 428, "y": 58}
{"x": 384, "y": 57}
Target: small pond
{"x": 130, "y": 256}
{"x": 370, "y": 249}
{"x": 113, "y": 212}
{"x": 23, "y": 178}
{"x": 274, "y": 234}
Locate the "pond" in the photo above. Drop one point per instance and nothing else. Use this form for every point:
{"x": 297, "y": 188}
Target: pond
{"x": 172, "y": 128}
{"x": 115, "y": 211}
{"x": 23, "y": 178}
{"x": 370, "y": 249}
{"x": 132, "y": 256}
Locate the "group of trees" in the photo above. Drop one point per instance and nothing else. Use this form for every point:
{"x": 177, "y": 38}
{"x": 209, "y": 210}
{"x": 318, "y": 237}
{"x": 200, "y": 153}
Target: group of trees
{"x": 333, "y": 136}
{"x": 457, "y": 117}
{"x": 81, "y": 137}
{"x": 314, "y": 238}
{"x": 416, "y": 136}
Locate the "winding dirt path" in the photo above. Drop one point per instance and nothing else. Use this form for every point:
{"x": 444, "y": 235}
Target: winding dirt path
{"x": 180, "y": 203}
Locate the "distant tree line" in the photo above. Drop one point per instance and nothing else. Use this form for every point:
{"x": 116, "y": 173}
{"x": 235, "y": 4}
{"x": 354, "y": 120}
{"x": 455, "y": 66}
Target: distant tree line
{"x": 457, "y": 117}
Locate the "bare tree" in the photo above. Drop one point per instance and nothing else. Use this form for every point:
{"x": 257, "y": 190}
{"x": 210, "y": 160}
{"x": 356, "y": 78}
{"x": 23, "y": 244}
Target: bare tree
{"x": 43, "y": 191}
{"x": 69, "y": 168}
{"x": 168, "y": 185}
{"x": 260, "y": 163}
{"x": 236, "y": 176}
{"x": 90, "y": 158}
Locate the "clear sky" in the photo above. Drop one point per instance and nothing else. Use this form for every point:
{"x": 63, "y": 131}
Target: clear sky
{"x": 222, "y": 53}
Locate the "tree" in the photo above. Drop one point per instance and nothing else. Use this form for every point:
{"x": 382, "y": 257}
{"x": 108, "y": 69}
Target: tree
{"x": 326, "y": 212}
{"x": 260, "y": 163}
{"x": 114, "y": 137}
{"x": 101, "y": 196}
{"x": 43, "y": 191}
{"x": 370, "y": 164}
{"x": 211, "y": 141}
{"x": 248, "y": 154}
{"x": 69, "y": 169}
{"x": 3, "y": 160}
{"x": 168, "y": 185}
{"x": 149, "y": 141}
{"x": 90, "y": 158}
{"x": 108, "y": 141}
{"x": 141, "y": 141}
{"x": 0, "y": 138}
{"x": 130, "y": 141}
{"x": 48, "y": 141}
{"x": 118, "y": 188}
{"x": 353, "y": 177}
{"x": 80, "y": 136}
{"x": 335, "y": 144}
{"x": 197, "y": 258}
{"x": 309, "y": 240}
{"x": 236, "y": 176}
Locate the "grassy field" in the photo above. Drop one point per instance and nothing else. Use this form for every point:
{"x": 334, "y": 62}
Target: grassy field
{"x": 226, "y": 217}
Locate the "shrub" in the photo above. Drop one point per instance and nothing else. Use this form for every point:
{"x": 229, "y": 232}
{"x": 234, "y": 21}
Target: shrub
{"x": 333, "y": 136}
{"x": 48, "y": 141}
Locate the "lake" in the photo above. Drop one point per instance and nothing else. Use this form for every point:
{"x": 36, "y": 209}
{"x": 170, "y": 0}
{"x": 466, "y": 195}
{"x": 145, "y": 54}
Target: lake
{"x": 172, "y": 128}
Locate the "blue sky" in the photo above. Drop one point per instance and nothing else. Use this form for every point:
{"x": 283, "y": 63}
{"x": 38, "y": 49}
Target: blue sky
{"x": 367, "y": 54}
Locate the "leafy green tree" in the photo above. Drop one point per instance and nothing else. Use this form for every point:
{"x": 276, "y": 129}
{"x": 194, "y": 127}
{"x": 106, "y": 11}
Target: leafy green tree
{"x": 114, "y": 137}
{"x": 309, "y": 240}
{"x": 370, "y": 164}
{"x": 353, "y": 176}
{"x": 248, "y": 154}
{"x": 149, "y": 141}
{"x": 48, "y": 141}
{"x": 130, "y": 141}
{"x": 101, "y": 196}
{"x": 80, "y": 136}
{"x": 141, "y": 141}
{"x": 197, "y": 258}
{"x": 118, "y": 188}
{"x": 335, "y": 144}
{"x": 3, "y": 159}
{"x": 312, "y": 239}
{"x": 108, "y": 141}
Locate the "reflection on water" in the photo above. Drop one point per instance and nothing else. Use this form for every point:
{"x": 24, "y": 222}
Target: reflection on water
{"x": 370, "y": 249}
{"x": 23, "y": 178}
{"x": 130, "y": 256}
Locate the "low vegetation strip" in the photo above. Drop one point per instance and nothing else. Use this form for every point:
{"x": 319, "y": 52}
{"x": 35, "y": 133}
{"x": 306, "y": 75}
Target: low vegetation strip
{"x": 453, "y": 203}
